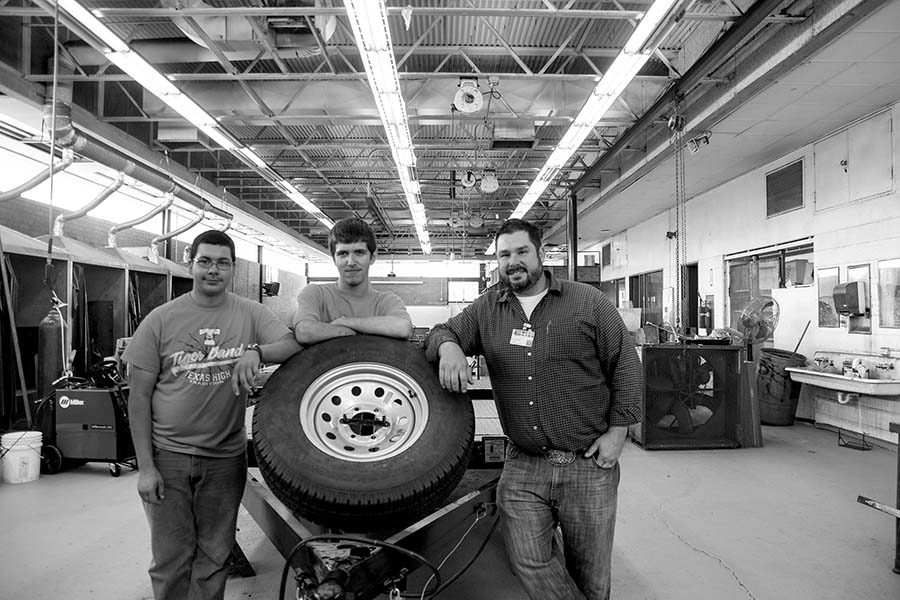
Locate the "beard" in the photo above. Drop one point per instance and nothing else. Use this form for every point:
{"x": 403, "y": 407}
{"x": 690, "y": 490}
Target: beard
{"x": 532, "y": 277}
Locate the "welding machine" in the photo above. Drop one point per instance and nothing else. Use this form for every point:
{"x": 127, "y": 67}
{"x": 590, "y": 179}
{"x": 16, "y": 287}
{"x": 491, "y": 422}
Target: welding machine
{"x": 92, "y": 426}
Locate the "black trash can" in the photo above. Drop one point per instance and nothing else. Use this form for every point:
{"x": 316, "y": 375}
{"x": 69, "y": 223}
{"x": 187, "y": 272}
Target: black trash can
{"x": 778, "y": 394}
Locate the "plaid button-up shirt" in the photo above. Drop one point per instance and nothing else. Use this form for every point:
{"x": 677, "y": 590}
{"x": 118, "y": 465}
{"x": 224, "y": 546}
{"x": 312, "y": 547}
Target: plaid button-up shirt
{"x": 581, "y": 375}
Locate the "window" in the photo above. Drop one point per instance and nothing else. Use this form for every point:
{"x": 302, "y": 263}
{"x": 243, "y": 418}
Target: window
{"x": 784, "y": 189}
{"x": 614, "y": 289}
{"x": 462, "y": 291}
{"x": 753, "y": 276}
{"x": 889, "y": 293}
{"x": 646, "y": 293}
{"x": 606, "y": 255}
{"x": 828, "y": 278}
{"x": 860, "y": 324}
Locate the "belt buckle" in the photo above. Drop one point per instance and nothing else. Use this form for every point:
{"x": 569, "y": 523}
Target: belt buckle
{"x": 559, "y": 457}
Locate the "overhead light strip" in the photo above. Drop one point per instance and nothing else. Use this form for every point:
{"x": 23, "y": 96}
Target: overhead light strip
{"x": 654, "y": 25}
{"x": 132, "y": 63}
{"x": 368, "y": 19}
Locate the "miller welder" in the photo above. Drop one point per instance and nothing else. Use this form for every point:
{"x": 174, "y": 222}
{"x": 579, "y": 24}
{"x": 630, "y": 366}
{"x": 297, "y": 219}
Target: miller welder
{"x": 88, "y": 422}
{"x": 92, "y": 426}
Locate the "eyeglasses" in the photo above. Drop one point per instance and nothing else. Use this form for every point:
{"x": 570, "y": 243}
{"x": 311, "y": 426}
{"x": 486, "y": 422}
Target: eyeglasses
{"x": 223, "y": 264}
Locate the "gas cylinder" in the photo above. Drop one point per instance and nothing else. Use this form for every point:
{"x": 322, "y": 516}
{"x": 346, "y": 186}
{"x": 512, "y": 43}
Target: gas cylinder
{"x": 50, "y": 352}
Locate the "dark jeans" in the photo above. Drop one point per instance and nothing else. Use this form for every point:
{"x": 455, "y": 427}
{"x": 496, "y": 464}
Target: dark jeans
{"x": 192, "y": 529}
{"x": 535, "y": 497}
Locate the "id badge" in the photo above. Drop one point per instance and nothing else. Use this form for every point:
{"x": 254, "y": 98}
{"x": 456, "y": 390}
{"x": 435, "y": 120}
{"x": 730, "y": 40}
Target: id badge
{"x": 522, "y": 337}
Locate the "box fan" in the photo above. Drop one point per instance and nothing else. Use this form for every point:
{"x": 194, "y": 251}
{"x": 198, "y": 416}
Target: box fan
{"x": 691, "y": 397}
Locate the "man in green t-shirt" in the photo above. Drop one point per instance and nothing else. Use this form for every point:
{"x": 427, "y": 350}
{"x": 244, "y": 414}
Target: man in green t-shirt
{"x": 193, "y": 360}
{"x": 350, "y": 305}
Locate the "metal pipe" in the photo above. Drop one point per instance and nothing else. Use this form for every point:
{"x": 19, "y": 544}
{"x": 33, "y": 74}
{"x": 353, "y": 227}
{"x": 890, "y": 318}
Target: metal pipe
{"x": 115, "y": 229}
{"x": 68, "y": 137}
{"x": 155, "y": 242}
{"x": 94, "y": 151}
{"x": 68, "y": 158}
{"x": 77, "y": 214}
{"x": 572, "y": 234}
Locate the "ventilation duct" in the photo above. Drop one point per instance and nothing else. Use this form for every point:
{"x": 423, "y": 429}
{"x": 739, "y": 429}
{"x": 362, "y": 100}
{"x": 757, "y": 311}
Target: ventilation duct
{"x": 77, "y": 214}
{"x": 40, "y": 178}
{"x": 512, "y": 133}
{"x": 115, "y": 229}
{"x": 68, "y": 138}
{"x": 153, "y": 255}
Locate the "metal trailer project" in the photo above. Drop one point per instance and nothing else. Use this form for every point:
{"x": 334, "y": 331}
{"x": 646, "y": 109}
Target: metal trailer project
{"x": 364, "y": 470}
{"x": 358, "y": 567}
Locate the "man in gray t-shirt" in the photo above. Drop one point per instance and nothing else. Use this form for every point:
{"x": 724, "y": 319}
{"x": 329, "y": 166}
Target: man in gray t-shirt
{"x": 193, "y": 360}
{"x": 349, "y": 306}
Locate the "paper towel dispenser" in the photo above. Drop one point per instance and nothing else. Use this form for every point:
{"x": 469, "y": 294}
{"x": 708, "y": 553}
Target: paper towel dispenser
{"x": 850, "y": 298}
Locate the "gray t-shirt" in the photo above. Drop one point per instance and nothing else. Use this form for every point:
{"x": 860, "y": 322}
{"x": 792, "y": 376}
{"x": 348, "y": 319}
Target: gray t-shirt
{"x": 324, "y": 302}
{"x": 192, "y": 349}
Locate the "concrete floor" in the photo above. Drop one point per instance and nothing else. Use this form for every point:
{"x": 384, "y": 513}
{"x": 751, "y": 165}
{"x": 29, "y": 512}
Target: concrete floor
{"x": 771, "y": 523}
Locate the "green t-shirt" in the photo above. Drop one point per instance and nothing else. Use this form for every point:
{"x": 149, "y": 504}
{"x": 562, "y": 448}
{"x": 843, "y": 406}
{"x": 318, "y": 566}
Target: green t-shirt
{"x": 192, "y": 349}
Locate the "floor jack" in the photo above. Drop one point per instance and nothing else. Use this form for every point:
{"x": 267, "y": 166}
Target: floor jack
{"x": 352, "y": 567}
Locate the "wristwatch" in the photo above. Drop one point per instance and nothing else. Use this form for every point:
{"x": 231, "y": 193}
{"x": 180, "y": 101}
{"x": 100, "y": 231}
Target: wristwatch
{"x": 257, "y": 349}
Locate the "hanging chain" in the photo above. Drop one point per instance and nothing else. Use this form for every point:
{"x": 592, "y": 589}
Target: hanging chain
{"x": 676, "y": 124}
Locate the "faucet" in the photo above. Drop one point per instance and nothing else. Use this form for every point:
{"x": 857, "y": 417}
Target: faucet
{"x": 823, "y": 362}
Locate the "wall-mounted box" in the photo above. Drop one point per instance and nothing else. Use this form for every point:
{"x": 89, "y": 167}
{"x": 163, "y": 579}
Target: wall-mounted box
{"x": 851, "y": 298}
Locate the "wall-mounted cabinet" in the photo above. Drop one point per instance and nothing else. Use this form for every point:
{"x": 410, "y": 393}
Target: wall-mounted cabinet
{"x": 854, "y": 163}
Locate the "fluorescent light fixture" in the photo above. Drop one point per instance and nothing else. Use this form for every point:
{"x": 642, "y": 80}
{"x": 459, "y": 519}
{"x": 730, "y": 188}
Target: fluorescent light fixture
{"x": 219, "y": 136}
{"x": 144, "y": 73}
{"x": 648, "y": 25}
{"x": 160, "y": 86}
{"x": 307, "y": 205}
{"x": 369, "y": 21}
{"x": 252, "y": 157}
{"x": 93, "y": 24}
{"x": 627, "y": 64}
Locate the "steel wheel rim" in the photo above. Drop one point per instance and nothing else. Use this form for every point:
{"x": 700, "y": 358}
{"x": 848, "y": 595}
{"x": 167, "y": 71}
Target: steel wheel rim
{"x": 363, "y": 412}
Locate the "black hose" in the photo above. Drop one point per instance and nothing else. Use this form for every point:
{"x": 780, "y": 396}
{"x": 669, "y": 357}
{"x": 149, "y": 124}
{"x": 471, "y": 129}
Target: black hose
{"x": 358, "y": 540}
{"x": 464, "y": 568}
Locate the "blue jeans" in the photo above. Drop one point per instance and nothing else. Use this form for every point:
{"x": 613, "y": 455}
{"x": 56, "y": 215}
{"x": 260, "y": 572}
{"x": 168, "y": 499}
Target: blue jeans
{"x": 192, "y": 529}
{"x": 535, "y": 498}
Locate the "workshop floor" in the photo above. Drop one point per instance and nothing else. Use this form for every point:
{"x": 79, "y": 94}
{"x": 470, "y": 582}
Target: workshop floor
{"x": 771, "y": 523}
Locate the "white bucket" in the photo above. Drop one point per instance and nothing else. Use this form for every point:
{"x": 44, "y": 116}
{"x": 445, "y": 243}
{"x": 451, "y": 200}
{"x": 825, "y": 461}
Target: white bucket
{"x": 21, "y": 451}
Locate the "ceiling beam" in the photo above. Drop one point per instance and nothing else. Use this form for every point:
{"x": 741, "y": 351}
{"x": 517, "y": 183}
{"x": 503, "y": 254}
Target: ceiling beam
{"x": 426, "y": 11}
{"x": 348, "y": 76}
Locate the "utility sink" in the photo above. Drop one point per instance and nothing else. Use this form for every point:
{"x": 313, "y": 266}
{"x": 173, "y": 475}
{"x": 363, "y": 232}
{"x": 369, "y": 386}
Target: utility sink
{"x": 842, "y": 383}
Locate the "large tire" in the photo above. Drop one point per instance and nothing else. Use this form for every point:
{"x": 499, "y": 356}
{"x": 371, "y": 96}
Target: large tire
{"x": 356, "y": 434}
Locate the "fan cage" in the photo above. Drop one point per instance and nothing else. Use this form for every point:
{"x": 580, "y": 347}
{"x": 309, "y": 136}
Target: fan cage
{"x": 691, "y": 397}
